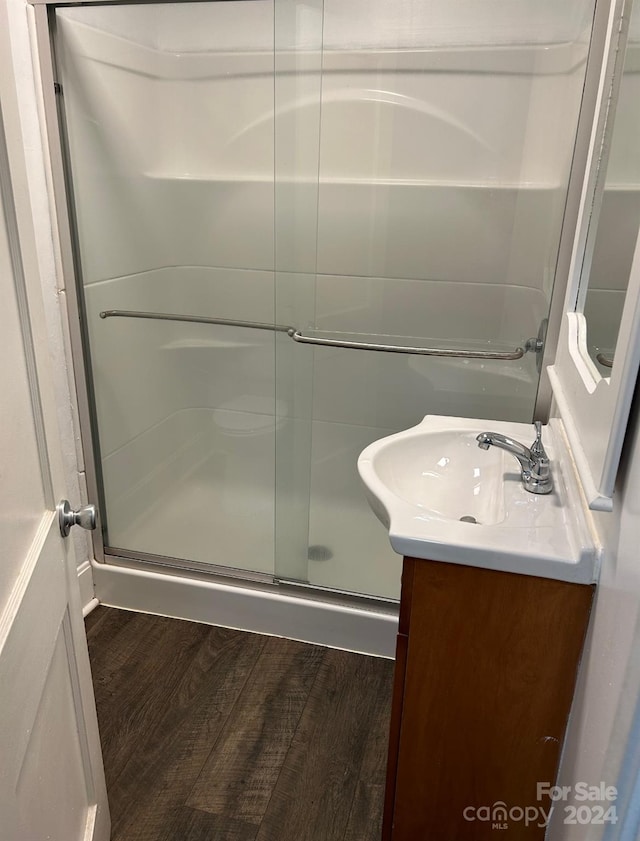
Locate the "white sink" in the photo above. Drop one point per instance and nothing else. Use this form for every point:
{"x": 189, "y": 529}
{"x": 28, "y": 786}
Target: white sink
{"x": 442, "y": 473}
{"x": 443, "y": 498}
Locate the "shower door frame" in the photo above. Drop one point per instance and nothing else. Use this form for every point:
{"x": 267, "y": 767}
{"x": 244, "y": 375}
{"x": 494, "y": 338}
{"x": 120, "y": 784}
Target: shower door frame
{"x": 43, "y": 29}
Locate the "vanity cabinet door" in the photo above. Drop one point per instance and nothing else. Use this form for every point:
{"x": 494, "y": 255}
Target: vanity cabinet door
{"x": 481, "y": 700}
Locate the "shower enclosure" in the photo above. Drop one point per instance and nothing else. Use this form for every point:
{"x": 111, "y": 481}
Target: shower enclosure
{"x": 299, "y": 227}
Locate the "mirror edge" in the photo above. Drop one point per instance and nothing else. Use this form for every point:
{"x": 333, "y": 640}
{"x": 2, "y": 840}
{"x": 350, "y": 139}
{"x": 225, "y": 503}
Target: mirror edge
{"x": 588, "y": 407}
{"x": 595, "y": 410}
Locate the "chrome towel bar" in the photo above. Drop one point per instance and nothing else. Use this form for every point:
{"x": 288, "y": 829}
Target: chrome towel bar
{"x": 531, "y": 345}
{"x": 197, "y": 319}
{"x": 518, "y": 353}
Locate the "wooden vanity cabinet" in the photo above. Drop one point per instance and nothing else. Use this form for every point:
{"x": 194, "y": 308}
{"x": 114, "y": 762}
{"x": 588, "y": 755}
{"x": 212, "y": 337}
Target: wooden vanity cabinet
{"x": 485, "y": 674}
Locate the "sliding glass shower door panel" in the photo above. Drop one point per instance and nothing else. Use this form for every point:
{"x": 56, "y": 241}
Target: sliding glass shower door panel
{"x": 169, "y": 118}
{"x": 445, "y": 146}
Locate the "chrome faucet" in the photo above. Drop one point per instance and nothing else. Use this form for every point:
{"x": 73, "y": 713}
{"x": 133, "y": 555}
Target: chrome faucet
{"x": 534, "y": 462}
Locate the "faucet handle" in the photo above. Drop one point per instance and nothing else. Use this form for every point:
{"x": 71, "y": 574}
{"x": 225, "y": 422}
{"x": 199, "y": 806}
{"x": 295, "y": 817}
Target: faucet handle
{"x": 537, "y": 448}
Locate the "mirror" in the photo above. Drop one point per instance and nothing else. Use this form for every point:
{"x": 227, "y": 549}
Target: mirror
{"x": 615, "y": 216}
{"x": 596, "y": 367}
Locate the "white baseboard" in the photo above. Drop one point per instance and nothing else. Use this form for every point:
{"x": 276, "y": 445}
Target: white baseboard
{"x": 247, "y": 609}
{"x": 89, "y": 607}
{"x": 87, "y": 595}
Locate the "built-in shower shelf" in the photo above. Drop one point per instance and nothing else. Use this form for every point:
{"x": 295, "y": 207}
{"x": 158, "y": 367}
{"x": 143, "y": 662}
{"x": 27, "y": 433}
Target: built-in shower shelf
{"x": 276, "y": 179}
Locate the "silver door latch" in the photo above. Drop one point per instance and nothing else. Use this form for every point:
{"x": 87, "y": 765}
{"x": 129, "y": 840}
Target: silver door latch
{"x": 84, "y": 517}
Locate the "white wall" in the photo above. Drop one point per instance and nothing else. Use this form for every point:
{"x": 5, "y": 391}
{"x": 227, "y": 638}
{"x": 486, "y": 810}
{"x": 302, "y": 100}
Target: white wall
{"x": 608, "y": 692}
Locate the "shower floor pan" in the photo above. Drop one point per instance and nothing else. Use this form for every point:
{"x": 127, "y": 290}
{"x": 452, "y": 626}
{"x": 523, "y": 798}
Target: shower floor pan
{"x": 213, "y": 517}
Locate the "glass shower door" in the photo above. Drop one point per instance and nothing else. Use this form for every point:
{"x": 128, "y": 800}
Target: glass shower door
{"x": 169, "y": 122}
{"x": 445, "y": 145}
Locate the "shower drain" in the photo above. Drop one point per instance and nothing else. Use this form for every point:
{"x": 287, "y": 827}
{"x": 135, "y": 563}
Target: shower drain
{"x": 318, "y": 552}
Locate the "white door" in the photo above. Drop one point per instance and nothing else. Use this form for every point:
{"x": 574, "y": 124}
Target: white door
{"x": 51, "y": 775}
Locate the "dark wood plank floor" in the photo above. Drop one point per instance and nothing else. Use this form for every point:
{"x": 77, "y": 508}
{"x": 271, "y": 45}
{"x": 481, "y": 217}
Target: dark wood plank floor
{"x": 217, "y": 735}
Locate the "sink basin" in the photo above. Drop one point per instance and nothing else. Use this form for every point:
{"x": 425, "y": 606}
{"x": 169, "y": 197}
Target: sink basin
{"x": 443, "y": 498}
{"x": 444, "y": 474}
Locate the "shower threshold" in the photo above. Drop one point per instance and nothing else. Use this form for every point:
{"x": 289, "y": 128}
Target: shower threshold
{"x": 244, "y": 601}
{"x": 243, "y": 577}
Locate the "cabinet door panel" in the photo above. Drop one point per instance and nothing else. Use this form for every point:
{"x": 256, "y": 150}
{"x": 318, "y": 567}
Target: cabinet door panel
{"x": 490, "y": 673}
